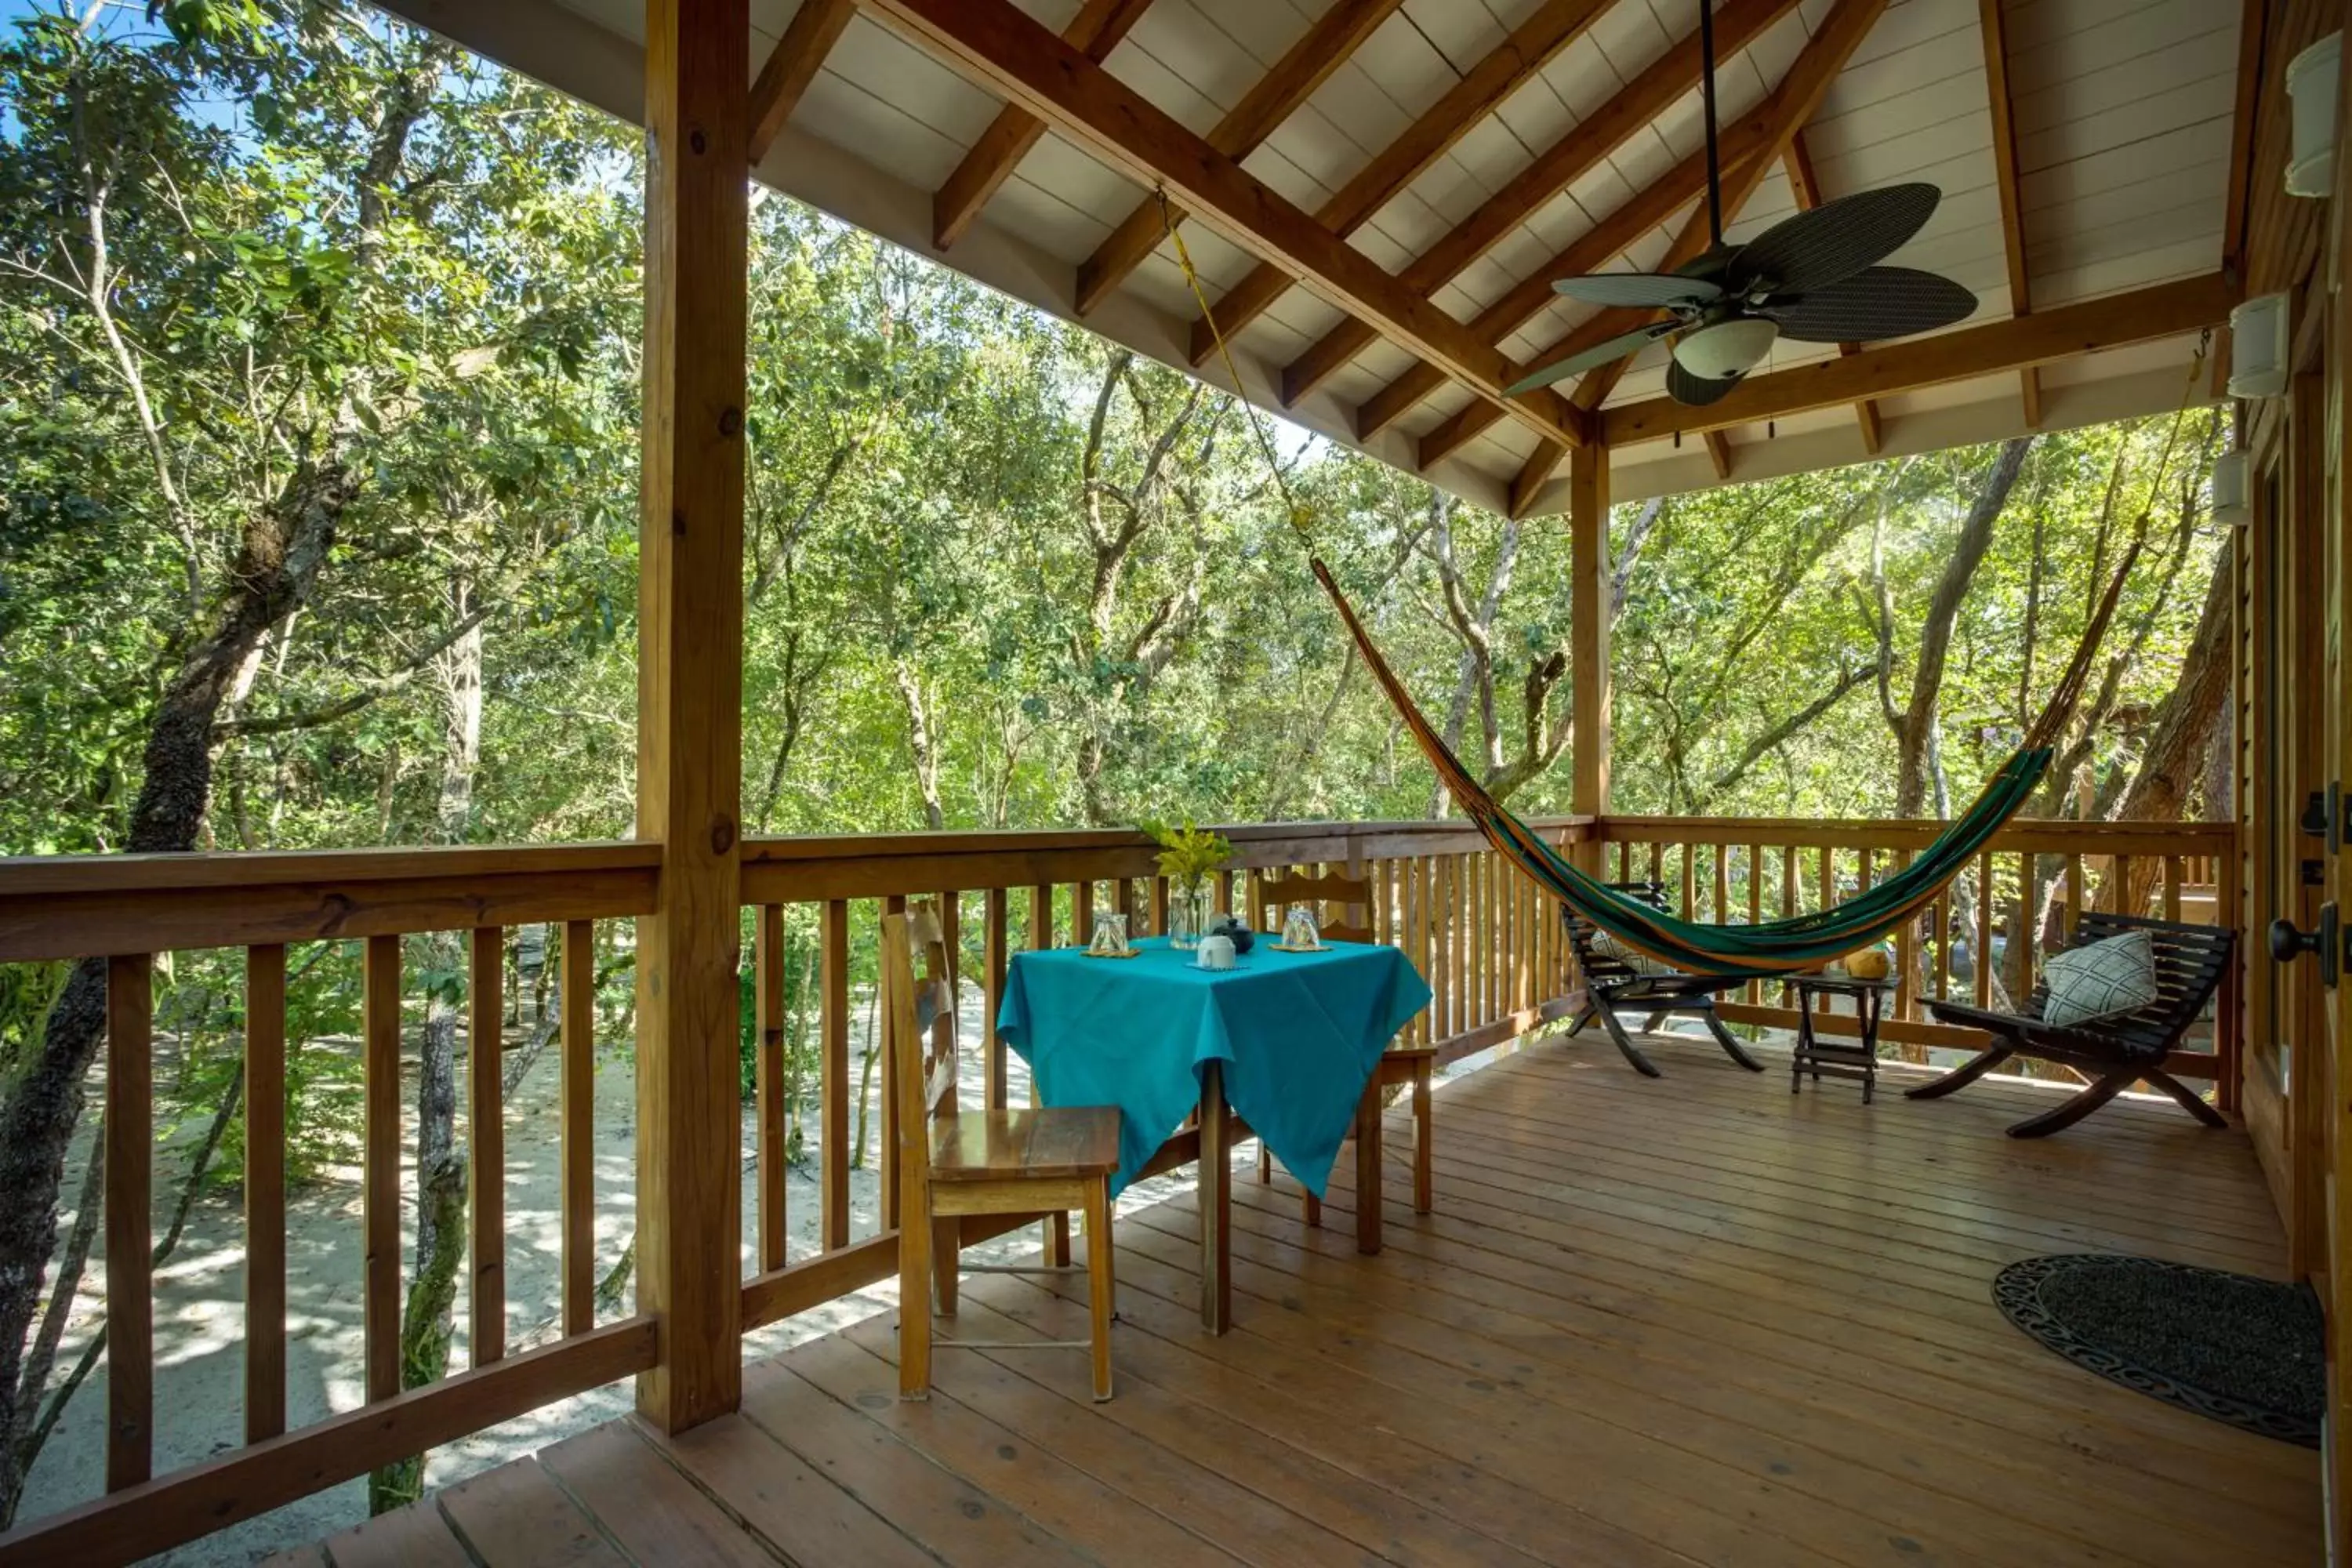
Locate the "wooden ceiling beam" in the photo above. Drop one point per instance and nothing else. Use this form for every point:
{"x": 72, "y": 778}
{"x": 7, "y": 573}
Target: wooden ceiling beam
{"x": 2004, "y": 164}
{"x": 1760, "y": 134}
{"x": 1303, "y": 67}
{"x": 1757, "y": 140}
{"x": 997, "y": 44}
{"x": 799, "y": 55}
{"x": 1507, "y": 67}
{"x": 1654, "y": 90}
{"x": 1991, "y": 348}
{"x": 1807, "y": 185}
{"x": 1098, "y": 28}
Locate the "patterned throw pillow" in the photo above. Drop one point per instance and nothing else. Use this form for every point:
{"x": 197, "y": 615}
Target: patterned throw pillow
{"x": 1607, "y": 946}
{"x": 2104, "y": 980}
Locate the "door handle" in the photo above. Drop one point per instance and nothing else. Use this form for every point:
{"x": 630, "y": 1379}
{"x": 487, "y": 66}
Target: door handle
{"x": 2290, "y": 942}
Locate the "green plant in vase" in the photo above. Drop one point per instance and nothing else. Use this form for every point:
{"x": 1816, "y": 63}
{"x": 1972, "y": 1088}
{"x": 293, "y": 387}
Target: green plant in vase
{"x": 1186, "y": 858}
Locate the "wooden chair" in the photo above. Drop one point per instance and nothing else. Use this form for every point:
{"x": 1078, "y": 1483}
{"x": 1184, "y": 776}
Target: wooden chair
{"x": 1612, "y": 984}
{"x": 2117, "y": 1052}
{"x": 953, "y": 1162}
{"x": 1340, "y": 901}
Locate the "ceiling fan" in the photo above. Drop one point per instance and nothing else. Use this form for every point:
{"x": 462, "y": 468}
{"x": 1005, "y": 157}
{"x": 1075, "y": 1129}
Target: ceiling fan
{"x": 1812, "y": 278}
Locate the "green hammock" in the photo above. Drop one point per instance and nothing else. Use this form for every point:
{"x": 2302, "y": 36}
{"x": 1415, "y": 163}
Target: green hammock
{"x": 1777, "y": 947}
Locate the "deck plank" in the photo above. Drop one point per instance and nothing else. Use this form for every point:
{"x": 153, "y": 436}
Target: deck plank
{"x": 517, "y": 1517}
{"x": 1089, "y": 1519}
{"x": 415, "y": 1536}
{"x": 1000, "y": 1383}
{"x": 614, "y": 1473}
{"x": 782, "y": 1500}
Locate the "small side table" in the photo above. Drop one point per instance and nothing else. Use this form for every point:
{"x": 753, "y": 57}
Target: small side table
{"x": 1818, "y": 1057}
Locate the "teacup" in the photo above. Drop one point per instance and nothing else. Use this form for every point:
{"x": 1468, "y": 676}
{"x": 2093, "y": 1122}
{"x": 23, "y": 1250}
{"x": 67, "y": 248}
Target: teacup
{"x": 1216, "y": 953}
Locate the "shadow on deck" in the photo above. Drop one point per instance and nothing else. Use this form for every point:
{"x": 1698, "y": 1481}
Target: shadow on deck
{"x": 1690, "y": 1321}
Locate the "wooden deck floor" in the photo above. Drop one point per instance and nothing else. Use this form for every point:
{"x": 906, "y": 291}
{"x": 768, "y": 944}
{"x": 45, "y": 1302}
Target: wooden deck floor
{"x": 1651, "y": 1322}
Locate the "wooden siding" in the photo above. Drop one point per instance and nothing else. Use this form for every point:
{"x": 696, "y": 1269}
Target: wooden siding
{"x": 1697, "y": 1320}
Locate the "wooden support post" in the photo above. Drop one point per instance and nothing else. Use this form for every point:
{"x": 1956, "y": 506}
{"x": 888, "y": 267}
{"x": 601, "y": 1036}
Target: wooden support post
{"x": 1588, "y": 517}
{"x": 690, "y": 704}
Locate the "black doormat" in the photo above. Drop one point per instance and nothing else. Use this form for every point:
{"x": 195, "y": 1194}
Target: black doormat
{"x": 2241, "y": 1350}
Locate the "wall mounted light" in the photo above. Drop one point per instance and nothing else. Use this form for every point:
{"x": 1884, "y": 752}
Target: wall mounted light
{"x": 2311, "y": 79}
{"x": 2230, "y": 496}
{"x": 2258, "y": 347}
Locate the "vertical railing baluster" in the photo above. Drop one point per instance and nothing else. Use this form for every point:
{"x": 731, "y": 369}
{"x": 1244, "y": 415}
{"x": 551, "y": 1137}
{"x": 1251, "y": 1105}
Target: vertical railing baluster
{"x": 485, "y": 1130}
{"x": 886, "y": 1081}
{"x": 833, "y": 1072}
{"x": 379, "y": 1162}
{"x": 130, "y": 1240}
{"x": 1755, "y": 908}
{"x": 2172, "y": 886}
{"x": 1082, "y": 913}
{"x": 1906, "y": 952}
{"x": 577, "y": 1085}
{"x": 768, "y": 1089}
{"x": 265, "y": 1191}
{"x": 993, "y": 960}
{"x": 1981, "y": 961}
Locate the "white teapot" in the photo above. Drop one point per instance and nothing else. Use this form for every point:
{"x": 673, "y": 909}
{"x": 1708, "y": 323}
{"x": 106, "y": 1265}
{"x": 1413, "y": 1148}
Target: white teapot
{"x": 1216, "y": 953}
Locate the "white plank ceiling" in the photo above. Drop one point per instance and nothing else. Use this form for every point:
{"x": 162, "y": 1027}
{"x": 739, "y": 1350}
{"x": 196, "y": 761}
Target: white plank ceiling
{"x": 2122, "y": 119}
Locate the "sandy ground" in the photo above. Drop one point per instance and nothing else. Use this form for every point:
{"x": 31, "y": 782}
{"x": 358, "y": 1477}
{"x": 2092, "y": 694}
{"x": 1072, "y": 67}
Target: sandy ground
{"x": 200, "y": 1314}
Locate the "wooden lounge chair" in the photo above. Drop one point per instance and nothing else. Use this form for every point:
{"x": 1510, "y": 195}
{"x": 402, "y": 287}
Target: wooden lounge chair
{"x": 1338, "y": 896}
{"x": 952, "y": 1163}
{"x": 2116, "y": 1052}
{"x": 1611, "y": 985}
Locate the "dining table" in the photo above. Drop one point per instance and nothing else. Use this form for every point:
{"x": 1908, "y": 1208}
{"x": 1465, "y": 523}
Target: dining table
{"x": 1283, "y": 1045}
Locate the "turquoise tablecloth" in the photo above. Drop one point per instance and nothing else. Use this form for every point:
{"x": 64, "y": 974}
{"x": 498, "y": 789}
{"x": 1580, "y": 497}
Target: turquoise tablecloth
{"x": 1299, "y": 1033}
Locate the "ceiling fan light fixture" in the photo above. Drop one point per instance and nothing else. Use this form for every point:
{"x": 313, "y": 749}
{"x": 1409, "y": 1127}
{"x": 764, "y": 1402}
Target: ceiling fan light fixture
{"x": 1724, "y": 351}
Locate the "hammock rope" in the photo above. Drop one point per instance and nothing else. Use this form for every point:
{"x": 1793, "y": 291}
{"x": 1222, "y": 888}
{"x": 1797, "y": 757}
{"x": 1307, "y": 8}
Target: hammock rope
{"x": 1772, "y": 948}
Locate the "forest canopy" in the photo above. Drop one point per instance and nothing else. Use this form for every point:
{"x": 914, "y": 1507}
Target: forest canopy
{"x": 998, "y": 571}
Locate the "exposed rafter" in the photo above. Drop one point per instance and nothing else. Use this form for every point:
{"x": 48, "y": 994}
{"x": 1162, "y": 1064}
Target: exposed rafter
{"x": 1718, "y": 452}
{"x": 1554, "y": 170}
{"x": 1319, "y": 51}
{"x": 1096, "y": 30}
{"x": 997, "y": 44}
{"x": 2004, "y": 163}
{"x": 1555, "y": 25}
{"x": 1757, "y": 140}
{"x": 1760, "y": 134}
{"x": 1991, "y": 348}
{"x": 1807, "y": 187}
{"x": 799, "y": 55}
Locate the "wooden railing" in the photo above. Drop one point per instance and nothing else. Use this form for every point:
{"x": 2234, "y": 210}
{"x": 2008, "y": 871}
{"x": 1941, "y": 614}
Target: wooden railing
{"x": 1492, "y": 955}
{"x": 2039, "y": 875}
{"x": 1490, "y": 947}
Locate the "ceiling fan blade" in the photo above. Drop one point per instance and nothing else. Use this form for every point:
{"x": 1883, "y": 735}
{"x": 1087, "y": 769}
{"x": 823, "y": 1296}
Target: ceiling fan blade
{"x": 1875, "y": 304}
{"x": 1639, "y": 290}
{"x": 1599, "y": 355}
{"x": 1833, "y": 241}
{"x": 1696, "y": 391}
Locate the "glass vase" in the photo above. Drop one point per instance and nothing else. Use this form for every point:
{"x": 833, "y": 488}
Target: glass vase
{"x": 1188, "y": 914}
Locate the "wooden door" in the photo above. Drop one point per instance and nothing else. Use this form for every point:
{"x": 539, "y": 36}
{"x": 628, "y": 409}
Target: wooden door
{"x": 2334, "y": 519}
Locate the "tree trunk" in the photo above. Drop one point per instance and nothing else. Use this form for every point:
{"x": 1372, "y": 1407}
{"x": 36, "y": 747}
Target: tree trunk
{"x": 278, "y": 563}
{"x": 1918, "y": 734}
{"x": 2187, "y": 723}
{"x": 427, "y": 1322}
{"x": 919, "y": 744}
